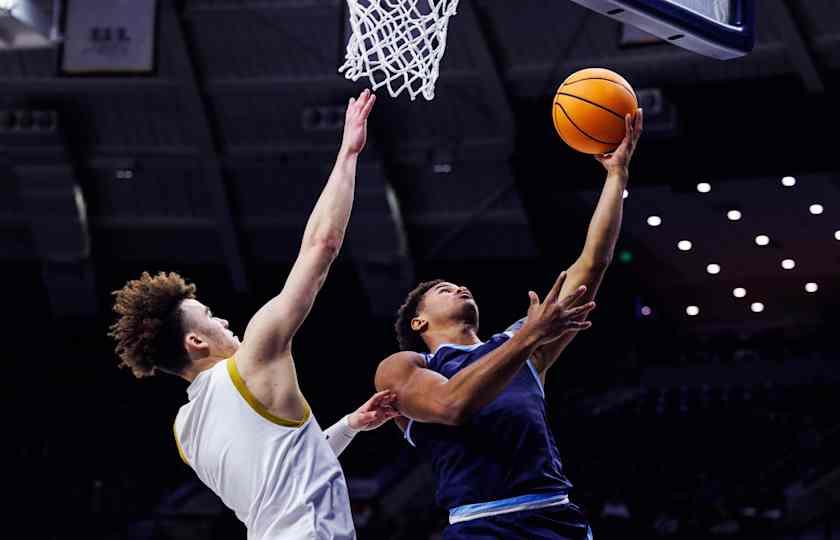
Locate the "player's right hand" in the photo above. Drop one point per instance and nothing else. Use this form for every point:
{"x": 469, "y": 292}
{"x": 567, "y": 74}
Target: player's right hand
{"x": 555, "y": 316}
{"x": 355, "y": 122}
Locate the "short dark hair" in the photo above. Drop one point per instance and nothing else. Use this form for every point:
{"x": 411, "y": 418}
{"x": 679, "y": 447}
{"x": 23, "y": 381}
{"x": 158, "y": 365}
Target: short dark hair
{"x": 149, "y": 331}
{"x": 408, "y": 339}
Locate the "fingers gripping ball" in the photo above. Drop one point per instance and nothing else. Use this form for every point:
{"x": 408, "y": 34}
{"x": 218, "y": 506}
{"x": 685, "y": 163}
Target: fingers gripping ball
{"x": 589, "y": 110}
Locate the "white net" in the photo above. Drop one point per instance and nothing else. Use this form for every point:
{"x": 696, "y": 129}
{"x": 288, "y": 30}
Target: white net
{"x": 398, "y": 43}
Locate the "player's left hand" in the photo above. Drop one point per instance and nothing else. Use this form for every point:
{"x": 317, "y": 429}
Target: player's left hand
{"x": 355, "y": 122}
{"x": 375, "y": 412}
{"x": 619, "y": 160}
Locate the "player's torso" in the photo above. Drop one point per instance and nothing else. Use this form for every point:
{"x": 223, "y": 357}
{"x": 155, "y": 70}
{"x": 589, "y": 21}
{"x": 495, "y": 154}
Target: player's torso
{"x": 281, "y": 478}
{"x": 506, "y": 449}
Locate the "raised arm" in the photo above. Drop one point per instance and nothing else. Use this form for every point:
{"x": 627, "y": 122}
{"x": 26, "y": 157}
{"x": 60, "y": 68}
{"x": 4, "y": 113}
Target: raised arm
{"x": 601, "y": 236}
{"x": 427, "y": 396}
{"x": 269, "y": 333}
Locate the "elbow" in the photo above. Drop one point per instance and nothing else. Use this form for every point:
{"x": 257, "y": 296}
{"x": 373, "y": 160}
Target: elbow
{"x": 327, "y": 245}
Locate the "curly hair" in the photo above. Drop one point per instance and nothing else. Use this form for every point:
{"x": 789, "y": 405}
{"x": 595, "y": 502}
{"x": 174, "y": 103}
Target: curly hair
{"x": 408, "y": 339}
{"x": 149, "y": 330}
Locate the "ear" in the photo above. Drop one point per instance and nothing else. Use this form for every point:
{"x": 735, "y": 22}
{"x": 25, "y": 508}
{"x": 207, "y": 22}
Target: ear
{"x": 419, "y": 325}
{"x": 195, "y": 344}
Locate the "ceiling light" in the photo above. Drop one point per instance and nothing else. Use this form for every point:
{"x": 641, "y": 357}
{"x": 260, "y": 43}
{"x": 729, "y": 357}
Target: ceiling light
{"x": 788, "y": 264}
{"x": 733, "y": 215}
{"x": 646, "y": 311}
{"x": 762, "y": 239}
{"x": 788, "y": 181}
{"x": 684, "y": 245}
{"x": 739, "y": 292}
{"x": 654, "y": 221}
{"x": 811, "y": 287}
{"x": 704, "y": 187}
{"x": 713, "y": 268}
{"x": 692, "y": 311}
{"x": 757, "y": 307}
{"x": 626, "y": 194}
{"x": 816, "y": 209}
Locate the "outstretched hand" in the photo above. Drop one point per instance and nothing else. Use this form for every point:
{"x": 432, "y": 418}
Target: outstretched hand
{"x": 556, "y": 316}
{"x": 375, "y": 412}
{"x": 619, "y": 159}
{"x": 355, "y": 122}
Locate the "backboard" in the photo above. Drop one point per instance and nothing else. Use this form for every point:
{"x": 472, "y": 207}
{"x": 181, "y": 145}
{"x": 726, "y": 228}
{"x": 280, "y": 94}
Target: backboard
{"x": 720, "y": 29}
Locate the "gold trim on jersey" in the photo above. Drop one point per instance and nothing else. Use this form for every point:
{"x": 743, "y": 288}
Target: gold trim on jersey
{"x": 178, "y": 444}
{"x": 260, "y": 409}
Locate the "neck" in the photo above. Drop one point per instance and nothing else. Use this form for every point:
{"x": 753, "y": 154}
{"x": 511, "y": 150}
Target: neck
{"x": 457, "y": 334}
{"x": 198, "y": 365}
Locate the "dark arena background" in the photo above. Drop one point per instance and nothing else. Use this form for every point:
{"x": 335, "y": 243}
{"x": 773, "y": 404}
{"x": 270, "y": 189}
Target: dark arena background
{"x": 195, "y": 136}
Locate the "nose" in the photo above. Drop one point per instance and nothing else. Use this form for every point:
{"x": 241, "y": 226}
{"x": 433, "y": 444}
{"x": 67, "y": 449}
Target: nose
{"x": 224, "y": 322}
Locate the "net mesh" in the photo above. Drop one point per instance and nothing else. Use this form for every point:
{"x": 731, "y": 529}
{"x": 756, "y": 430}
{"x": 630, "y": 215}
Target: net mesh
{"x": 398, "y": 44}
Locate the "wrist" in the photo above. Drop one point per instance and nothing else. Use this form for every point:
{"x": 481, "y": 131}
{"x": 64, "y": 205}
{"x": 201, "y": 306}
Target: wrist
{"x": 345, "y": 153}
{"x": 618, "y": 174}
{"x": 528, "y": 337}
{"x": 351, "y": 423}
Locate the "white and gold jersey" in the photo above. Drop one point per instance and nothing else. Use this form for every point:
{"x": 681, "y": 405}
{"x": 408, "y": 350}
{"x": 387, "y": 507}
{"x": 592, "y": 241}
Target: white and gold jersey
{"x": 280, "y": 477}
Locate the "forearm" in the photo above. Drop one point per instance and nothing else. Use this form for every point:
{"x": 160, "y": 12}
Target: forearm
{"x": 329, "y": 218}
{"x": 339, "y": 436}
{"x": 605, "y": 225}
{"x": 480, "y": 383}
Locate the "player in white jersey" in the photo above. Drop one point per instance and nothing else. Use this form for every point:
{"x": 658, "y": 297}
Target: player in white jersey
{"x": 247, "y": 430}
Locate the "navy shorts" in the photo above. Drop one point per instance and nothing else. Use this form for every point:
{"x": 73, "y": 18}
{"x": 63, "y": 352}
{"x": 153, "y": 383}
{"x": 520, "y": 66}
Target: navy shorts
{"x": 565, "y": 522}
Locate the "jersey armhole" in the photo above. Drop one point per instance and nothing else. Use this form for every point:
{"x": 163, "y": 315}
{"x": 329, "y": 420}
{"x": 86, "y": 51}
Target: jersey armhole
{"x": 178, "y": 444}
{"x": 407, "y": 433}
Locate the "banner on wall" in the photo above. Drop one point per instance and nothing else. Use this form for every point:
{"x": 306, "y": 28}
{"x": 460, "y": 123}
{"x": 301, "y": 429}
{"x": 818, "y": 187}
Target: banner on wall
{"x": 109, "y": 37}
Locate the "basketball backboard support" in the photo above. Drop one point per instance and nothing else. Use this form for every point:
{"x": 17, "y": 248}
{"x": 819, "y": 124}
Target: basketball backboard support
{"x": 722, "y": 29}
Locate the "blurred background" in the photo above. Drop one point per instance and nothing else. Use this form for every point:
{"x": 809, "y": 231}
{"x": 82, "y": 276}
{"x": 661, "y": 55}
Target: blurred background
{"x": 195, "y": 136}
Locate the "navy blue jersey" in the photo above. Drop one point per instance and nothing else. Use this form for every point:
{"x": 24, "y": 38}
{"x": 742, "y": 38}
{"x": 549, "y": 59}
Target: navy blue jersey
{"x": 505, "y": 450}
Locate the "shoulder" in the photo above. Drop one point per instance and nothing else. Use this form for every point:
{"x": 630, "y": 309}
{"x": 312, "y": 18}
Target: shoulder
{"x": 397, "y": 367}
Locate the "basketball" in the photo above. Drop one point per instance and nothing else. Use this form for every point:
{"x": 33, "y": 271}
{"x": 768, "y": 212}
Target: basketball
{"x": 589, "y": 109}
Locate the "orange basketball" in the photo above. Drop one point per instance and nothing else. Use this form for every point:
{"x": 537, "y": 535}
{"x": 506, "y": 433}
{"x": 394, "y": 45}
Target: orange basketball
{"x": 589, "y": 109}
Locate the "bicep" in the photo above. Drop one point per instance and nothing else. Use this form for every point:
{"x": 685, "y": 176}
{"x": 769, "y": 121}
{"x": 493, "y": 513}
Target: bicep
{"x": 421, "y": 393}
{"x": 270, "y": 331}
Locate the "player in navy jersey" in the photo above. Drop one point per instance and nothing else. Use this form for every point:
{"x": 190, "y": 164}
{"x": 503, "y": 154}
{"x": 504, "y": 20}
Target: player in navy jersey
{"x": 476, "y": 409}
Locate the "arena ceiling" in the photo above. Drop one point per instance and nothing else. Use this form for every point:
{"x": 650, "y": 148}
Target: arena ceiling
{"x": 212, "y": 163}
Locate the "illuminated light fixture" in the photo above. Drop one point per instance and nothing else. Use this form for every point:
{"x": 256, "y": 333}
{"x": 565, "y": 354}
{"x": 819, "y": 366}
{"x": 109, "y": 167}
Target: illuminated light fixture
{"x": 739, "y": 292}
{"x": 816, "y": 209}
{"x": 646, "y": 311}
{"x": 733, "y": 215}
{"x": 811, "y": 287}
{"x": 684, "y": 245}
{"x": 704, "y": 187}
{"x": 788, "y": 181}
{"x": 762, "y": 239}
{"x": 692, "y": 311}
{"x": 654, "y": 221}
{"x": 626, "y": 194}
{"x": 788, "y": 264}
{"x": 757, "y": 307}
{"x": 837, "y": 235}
{"x": 713, "y": 268}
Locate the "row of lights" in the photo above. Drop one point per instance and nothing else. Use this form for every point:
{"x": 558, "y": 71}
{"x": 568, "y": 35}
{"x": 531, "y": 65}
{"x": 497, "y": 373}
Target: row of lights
{"x": 761, "y": 240}
{"x": 714, "y": 268}
{"x": 740, "y": 292}
{"x": 735, "y": 215}
{"x": 705, "y": 187}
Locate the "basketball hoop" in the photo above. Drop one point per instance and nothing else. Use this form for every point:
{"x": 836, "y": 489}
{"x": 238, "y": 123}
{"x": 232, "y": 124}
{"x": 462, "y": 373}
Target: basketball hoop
{"x": 398, "y": 44}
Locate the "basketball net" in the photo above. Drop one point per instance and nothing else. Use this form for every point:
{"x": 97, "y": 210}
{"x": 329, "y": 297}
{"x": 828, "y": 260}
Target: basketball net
{"x": 398, "y": 44}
